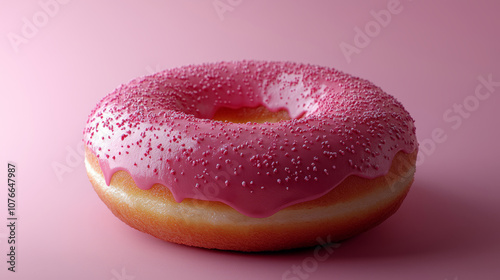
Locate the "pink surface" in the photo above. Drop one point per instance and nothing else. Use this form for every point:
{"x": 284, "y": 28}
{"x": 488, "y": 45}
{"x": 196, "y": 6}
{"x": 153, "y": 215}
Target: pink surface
{"x": 439, "y": 58}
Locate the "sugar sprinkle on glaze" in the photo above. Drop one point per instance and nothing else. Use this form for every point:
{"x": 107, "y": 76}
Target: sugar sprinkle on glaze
{"x": 159, "y": 128}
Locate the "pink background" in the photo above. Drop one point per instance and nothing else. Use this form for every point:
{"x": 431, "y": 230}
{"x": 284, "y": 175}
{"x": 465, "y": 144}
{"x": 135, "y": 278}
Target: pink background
{"x": 429, "y": 55}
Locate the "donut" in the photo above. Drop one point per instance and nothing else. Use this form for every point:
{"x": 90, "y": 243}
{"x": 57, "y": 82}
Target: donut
{"x": 250, "y": 155}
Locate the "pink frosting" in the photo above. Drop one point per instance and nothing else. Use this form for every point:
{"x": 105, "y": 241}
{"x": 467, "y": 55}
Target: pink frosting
{"x": 159, "y": 128}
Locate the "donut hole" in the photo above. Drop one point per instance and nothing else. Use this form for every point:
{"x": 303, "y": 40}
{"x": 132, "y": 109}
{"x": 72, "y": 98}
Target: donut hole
{"x": 258, "y": 114}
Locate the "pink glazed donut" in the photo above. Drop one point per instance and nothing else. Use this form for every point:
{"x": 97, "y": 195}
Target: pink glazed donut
{"x": 250, "y": 155}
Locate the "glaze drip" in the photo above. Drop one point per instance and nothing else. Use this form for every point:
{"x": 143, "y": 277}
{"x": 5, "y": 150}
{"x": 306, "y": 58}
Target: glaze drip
{"x": 159, "y": 128}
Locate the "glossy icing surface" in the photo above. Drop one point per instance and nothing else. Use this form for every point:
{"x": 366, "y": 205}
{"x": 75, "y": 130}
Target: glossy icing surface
{"x": 159, "y": 129}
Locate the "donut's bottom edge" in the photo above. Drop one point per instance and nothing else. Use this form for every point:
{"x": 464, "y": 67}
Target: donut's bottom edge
{"x": 354, "y": 206}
